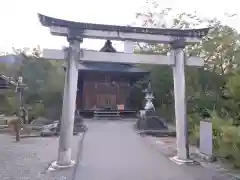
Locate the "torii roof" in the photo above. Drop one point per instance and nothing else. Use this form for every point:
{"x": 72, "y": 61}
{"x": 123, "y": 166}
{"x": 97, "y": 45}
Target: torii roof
{"x": 50, "y": 21}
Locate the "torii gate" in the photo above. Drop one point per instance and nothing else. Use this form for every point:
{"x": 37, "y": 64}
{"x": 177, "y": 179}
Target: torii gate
{"x": 76, "y": 31}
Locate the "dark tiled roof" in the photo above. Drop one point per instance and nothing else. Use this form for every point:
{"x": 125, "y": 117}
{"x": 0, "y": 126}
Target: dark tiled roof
{"x": 108, "y": 47}
{"x": 50, "y": 21}
{"x": 109, "y": 67}
{"x": 6, "y": 82}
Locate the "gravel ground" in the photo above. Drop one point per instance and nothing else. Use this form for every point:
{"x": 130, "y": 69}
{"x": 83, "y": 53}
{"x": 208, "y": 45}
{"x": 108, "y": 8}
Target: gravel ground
{"x": 30, "y": 158}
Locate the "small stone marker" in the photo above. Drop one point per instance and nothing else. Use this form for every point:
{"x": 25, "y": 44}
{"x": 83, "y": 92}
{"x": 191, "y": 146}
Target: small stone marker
{"x": 206, "y": 137}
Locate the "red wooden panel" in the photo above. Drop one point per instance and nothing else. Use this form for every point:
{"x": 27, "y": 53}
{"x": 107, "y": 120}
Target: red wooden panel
{"x": 97, "y": 92}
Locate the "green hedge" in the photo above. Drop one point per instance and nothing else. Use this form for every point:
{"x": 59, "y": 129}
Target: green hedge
{"x": 226, "y": 138}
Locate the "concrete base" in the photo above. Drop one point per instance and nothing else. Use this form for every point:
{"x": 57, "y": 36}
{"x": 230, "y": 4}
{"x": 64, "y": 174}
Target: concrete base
{"x": 178, "y": 161}
{"x": 205, "y": 157}
{"x": 55, "y": 166}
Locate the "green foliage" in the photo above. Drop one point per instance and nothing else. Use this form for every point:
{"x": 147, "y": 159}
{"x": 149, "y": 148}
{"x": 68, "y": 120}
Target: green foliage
{"x": 44, "y": 80}
{"x": 214, "y": 88}
{"x": 226, "y": 139}
{"x": 8, "y": 99}
{"x": 9, "y": 103}
{"x": 194, "y": 135}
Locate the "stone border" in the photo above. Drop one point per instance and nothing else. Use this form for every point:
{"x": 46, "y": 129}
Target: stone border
{"x": 55, "y": 166}
{"x": 178, "y": 161}
{"x": 205, "y": 157}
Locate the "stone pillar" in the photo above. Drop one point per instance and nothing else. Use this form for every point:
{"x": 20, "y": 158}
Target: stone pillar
{"x": 178, "y": 56}
{"x": 69, "y": 103}
{"x": 128, "y": 47}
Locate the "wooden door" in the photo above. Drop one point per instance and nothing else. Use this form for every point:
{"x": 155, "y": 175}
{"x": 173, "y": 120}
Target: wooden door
{"x": 106, "y": 100}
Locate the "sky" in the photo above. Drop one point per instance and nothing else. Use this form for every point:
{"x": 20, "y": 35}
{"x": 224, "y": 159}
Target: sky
{"x": 20, "y": 26}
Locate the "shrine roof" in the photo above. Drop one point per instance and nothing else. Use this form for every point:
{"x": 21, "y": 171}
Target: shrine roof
{"x": 6, "y": 82}
{"x": 110, "y": 67}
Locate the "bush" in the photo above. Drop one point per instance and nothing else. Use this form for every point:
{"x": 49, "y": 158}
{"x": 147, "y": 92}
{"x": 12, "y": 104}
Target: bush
{"x": 226, "y": 137}
{"x": 194, "y": 135}
{"x": 193, "y": 128}
{"x": 217, "y": 124}
{"x": 226, "y": 140}
{"x": 229, "y": 144}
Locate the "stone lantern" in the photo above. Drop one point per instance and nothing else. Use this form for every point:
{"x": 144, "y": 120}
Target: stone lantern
{"x": 149, "y": 97}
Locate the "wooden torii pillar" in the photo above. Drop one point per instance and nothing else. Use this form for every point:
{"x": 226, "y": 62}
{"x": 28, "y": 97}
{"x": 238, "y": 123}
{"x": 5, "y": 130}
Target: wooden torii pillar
{"x": 76, "y": 31}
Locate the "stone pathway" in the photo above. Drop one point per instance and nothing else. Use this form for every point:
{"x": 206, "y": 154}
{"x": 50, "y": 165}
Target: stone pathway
{"x": 112, "y": 150}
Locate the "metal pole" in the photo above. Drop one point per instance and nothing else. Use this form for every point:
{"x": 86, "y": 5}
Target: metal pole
{"x": 180, "y": 100}
{"x": 69, "y": 105}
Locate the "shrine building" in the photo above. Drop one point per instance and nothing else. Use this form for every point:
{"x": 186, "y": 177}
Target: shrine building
{"x": 103, "y": 85}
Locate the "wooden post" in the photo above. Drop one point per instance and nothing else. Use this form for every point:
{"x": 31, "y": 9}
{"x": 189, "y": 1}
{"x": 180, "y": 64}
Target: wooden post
{"x": 14, "y": 125}
{"x": 17, "y": 130}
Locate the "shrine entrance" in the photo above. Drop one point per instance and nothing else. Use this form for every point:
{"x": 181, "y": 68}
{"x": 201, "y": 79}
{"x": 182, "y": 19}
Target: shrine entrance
{"x": 106, "y": 100}
{"x": 75, "y": 32}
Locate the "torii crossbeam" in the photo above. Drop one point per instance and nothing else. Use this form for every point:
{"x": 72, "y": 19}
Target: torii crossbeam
{"x": 76, "y": 31}
{"x": 128, "y": 58}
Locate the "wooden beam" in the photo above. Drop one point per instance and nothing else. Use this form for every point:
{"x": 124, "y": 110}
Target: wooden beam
{"x": 87, "y": 55}
{"x": 122, "y": 36}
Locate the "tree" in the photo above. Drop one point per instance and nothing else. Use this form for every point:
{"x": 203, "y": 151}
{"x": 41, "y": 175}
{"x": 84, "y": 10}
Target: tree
{"x": 214, "y": 88}
{"x": 220, "y": 50}
{"x": 44, "y": 80}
